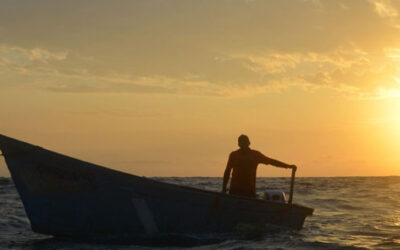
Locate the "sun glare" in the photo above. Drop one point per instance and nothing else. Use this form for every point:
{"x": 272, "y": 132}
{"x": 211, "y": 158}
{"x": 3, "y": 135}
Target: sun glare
{"x": 393, "y": 123}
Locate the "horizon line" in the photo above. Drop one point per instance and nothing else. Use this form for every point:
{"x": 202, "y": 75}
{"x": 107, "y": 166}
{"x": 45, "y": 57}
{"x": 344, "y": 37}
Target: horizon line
{"x": 337, "y": 176}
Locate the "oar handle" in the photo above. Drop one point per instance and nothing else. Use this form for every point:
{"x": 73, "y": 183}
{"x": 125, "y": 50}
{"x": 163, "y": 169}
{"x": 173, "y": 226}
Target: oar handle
{"x": 292, "y": 185}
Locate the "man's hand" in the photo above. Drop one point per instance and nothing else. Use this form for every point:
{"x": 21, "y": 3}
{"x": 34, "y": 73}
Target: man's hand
{"x": 294, "y": 167}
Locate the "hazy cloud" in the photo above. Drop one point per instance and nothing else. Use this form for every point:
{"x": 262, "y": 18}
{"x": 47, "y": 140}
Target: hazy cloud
{"x": 22, "y": 56}
{"x": 384, "y": 8}
{"x": 221, "y": 48}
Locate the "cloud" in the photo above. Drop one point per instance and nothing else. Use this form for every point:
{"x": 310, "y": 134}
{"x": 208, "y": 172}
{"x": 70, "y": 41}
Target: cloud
{"x": 213, "y": 48}
{"x": 349, "y": 69}
{"x": 384, "y": 8}
{"x": 21, "y": 56}
{"x": 346, "y": 69}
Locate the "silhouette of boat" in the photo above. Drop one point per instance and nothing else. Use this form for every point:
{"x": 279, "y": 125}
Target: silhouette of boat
{"x": 68, "y": 197}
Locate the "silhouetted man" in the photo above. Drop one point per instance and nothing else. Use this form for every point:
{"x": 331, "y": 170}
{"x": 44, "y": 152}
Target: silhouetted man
{"x": 244, "y": 162}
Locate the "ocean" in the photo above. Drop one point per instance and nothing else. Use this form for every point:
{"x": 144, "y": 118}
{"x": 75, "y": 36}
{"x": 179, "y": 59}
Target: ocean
{"x": 350, "y": 213}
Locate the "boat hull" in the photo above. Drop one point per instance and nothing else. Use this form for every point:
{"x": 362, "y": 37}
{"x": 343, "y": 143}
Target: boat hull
{"x": 64, "y": 196}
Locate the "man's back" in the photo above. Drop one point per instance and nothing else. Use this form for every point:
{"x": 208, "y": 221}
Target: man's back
{"x": 244, "y": 165}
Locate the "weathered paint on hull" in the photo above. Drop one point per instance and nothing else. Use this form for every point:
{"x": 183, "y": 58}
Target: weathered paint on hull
{"x": 64, "y": 196}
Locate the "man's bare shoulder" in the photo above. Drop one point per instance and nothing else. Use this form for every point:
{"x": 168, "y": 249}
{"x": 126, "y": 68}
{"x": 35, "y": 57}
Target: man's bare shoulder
{"x": 255, "y": 151}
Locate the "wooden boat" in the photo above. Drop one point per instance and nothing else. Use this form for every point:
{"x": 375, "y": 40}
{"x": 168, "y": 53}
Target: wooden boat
{"x": 68, "y": 197}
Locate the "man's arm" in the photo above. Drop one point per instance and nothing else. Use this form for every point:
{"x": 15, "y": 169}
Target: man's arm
{"x": 269, "y": 161}
{"x": 227, "y": 174}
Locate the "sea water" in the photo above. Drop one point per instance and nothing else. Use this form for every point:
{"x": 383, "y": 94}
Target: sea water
{"x": 350, "y": 213}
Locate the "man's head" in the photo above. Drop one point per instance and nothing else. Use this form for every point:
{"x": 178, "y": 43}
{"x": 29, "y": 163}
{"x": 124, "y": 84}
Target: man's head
{"x": 243, "y": 141}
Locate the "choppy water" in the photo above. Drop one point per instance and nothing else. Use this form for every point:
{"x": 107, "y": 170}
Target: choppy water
{"x": 352, "y": 212}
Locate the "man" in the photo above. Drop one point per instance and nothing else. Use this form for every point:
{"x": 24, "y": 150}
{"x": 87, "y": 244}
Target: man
{"x": 244, "y": 162}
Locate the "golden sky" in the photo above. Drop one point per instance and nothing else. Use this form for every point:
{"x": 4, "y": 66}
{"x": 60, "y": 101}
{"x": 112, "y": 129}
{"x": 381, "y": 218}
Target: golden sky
{"x": 163, "y": 88}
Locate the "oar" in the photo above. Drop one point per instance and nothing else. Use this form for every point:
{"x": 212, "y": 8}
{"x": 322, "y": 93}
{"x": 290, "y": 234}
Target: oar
{"x": 292, "y": 186}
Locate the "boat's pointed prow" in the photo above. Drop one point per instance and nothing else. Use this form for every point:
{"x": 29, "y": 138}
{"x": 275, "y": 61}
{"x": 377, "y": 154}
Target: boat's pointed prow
{"x": 10, "y": 146}
{"x": 3, "y": 141}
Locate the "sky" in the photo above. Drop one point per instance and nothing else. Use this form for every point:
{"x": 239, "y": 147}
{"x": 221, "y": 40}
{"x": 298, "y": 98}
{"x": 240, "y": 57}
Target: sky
{"x": 164, "y": 88}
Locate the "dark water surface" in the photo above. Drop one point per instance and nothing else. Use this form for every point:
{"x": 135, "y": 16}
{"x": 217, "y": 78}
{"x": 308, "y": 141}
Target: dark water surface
{"x": 350, "y": 213}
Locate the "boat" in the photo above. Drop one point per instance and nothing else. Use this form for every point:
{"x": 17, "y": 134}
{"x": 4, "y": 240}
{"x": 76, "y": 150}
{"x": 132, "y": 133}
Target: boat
{"x": 67, "y": 197}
